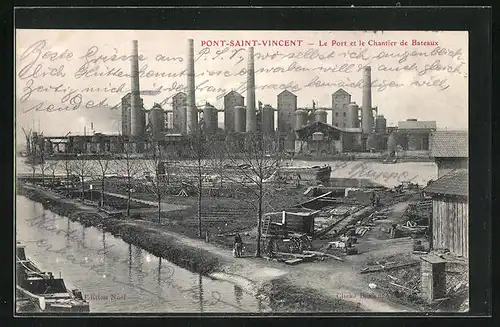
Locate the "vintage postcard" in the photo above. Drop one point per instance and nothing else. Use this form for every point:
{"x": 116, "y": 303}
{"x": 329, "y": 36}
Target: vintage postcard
{"x": 209, "y": 171}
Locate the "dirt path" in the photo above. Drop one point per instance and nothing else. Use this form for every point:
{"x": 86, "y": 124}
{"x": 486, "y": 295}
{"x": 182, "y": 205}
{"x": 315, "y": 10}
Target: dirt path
{"x": 333, "y": 278}
{"x": 164, "y": 206}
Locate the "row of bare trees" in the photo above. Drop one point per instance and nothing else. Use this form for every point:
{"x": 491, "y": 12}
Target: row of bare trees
{"x": 248, "y": 164}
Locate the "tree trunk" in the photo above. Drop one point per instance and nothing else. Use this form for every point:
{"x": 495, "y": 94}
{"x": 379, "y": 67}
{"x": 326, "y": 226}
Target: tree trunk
{"x": 128, "y": 195}
{"x": 83, "y": 189}
{"x": 200, "y": 183}
{"x": 42, "y": 169}
{"x": 102, "y": 191}
{"x": 259, "y": 223}
{"x": 67, "y": 178}
{"x": 159, "y": 207}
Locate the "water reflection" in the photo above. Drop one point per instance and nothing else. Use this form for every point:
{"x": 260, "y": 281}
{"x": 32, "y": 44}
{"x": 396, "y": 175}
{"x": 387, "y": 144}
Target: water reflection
{"x": 104, "y": 255}
{"x": 200, "y": 291}
{"x": 173, "y": 289}
{"x": 238, "y": 294}
{"x": 130, "y": 263}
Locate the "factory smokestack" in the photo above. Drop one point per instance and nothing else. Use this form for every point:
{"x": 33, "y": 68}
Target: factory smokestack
{"x": 251, "y": 117}
{"x": 191, "y": 110}
{"x": 367, "y": 117}
{"x": 136, "y": 114}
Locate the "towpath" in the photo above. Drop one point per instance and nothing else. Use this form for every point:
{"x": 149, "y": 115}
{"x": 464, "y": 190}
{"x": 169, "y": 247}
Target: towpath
{"x": 164, "y": 206}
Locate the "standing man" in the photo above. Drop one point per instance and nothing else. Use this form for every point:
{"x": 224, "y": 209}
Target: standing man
{"x": 238, "y": 244}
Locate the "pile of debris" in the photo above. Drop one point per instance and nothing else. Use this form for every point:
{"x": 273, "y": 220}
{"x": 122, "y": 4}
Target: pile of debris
{"x": 397, "y": 277}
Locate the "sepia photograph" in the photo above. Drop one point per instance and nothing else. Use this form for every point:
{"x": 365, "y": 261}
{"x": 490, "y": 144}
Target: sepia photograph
{"x": 241, "y": 171}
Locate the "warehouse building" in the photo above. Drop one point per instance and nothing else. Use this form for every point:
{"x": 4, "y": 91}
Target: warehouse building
{"x": 415, "y": 135}
{"x": 320, "y": 138}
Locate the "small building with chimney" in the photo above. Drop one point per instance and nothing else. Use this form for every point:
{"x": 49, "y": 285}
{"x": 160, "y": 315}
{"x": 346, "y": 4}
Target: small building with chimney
{"x": 320, "y": 138}
{"x": 450, "y": 150}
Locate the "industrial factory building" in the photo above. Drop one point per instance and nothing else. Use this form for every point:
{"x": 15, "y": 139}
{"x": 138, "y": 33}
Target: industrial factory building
{"x": 303, "y": 131}
{"x": 415, "y": 134}
{"x": 320, "y": 138}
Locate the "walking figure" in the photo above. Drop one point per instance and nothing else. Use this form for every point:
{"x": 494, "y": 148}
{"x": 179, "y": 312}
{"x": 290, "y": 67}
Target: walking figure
{"x": 238, "y": 244}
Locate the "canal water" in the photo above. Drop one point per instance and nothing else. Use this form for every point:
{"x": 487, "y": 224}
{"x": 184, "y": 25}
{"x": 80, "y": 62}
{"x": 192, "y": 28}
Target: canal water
{"x": 118, "y": 277}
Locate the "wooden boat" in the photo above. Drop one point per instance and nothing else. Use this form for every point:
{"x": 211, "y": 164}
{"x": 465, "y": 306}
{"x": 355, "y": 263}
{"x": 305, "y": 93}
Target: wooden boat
{"x": 43, "y": 290}
{"x": 315, "y": 174}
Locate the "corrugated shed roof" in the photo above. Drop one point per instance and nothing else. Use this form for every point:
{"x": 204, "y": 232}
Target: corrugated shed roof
{"x": 453, "y": 183}
{"x": 451, "y": 144}
{"x": 417, "y": 124}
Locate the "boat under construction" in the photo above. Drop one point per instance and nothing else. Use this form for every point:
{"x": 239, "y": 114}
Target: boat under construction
{"x": 42, "y": 290}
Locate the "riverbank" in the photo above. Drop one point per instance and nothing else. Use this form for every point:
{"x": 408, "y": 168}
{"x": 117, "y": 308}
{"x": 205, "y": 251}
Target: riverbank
{"x": 251, "y": 274}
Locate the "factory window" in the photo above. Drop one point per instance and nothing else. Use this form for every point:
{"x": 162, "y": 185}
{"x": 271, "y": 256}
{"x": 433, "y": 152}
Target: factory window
{"x": 343, "y": 106}
{"x": 337, "y": 125}
{"x": 344, "y": 124}
{"x": 344, "y": 114}
{"x": 336, "y": 114}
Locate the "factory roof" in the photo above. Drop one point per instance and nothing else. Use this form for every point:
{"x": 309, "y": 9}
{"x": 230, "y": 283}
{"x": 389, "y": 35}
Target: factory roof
{"x": 449, "y": 144}
{"x": 341, "y": 91}
{"x": 285, "y": 92}
{"x": 453, "y": 183}
{"x": 179, "y": 94}
{"x": 233, "y": 92}
{"x": 415, "y": 124}
{"x": 319, "y": 126}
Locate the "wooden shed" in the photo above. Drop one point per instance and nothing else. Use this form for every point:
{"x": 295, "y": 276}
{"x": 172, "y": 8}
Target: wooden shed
{"x": 450, "y": 212}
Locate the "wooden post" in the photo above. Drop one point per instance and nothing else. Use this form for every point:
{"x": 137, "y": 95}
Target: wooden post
{"x": 433, "y": 278}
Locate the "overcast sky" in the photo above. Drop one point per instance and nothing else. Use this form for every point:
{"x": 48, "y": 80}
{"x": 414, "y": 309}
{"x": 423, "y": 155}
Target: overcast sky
{"x": 442, "y": 74}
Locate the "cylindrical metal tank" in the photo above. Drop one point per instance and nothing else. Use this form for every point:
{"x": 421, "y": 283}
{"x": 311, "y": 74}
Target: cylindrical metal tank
{"x": 380, "y": 124}
{"x": 300, "y": 118}
{"x": 267, "y": 119}
{"x": 157, "y": 119}
{"x": 320, "y": 115}
{"x": 239, "y": 119}
{"x": 352, "y": 115}
{"x": 210, "y": 118}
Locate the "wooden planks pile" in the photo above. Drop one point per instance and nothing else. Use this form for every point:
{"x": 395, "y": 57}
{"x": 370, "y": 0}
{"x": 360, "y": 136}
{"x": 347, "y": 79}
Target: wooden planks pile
{"x": 361, "y": 231}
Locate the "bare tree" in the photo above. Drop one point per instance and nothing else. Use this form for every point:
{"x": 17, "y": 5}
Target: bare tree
{"x": 68, "y": 168}
{"x": 251, "y": 167}
{"x": 82, "y": 167}
{"x": 52, "y": 167}
{"x": 103, "y": 167}
{"x": 160, "y": 178}
{"x": 32, "y": 159}
{"x": 128, "y": 167}
{"x": 199, "y": 150}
